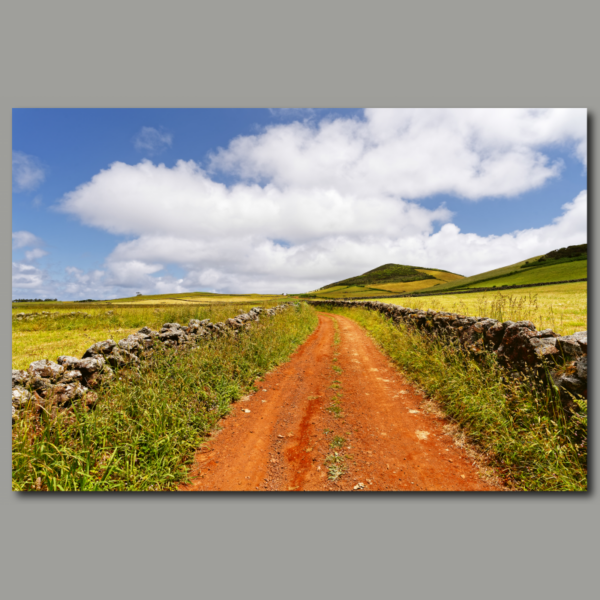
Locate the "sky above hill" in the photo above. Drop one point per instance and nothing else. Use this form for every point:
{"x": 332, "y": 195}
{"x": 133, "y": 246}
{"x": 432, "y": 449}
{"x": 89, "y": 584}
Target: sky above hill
{"x": 110, "y": 202}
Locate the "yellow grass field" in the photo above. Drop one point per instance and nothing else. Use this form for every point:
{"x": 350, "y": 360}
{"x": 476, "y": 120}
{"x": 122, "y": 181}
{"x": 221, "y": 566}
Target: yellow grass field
{"x": 72, "y": 334}
{"x": 28, "y": 346}
{"x": 561, "y": 307}
{"x": 441, "y": 275}
{"x": 407, "y": 286}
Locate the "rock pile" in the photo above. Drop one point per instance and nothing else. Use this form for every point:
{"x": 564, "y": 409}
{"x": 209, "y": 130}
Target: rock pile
{"x": 55, "y": 385}
{"x": 518, "y": 345}
{"x": 48, "y": 315}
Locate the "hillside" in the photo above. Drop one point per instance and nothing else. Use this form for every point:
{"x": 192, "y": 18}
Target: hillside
{"x": 388, "y": 280}
{"x": 389, "y": 273}
{"x": 559, "y": 265}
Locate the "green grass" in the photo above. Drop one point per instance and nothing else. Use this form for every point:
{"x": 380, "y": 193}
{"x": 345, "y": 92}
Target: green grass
{"x": 563, "y": 271}
{"x": 521, "y": 428}
{"x": 467, "y": 281}
{"x": 389, "y": 273}
{"x": 147, "y": 425}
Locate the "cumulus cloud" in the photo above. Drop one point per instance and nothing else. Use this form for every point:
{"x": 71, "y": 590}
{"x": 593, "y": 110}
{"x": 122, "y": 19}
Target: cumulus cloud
{"x": 311, "y": 204}
{"x": 27, "y": 172}
{"x": 152, "y": 141}
{"x": 35, "y": 254}
{"x": 22, "y": 239}
{"x": 26, "y": 277}
{"x": 411, "y": 153}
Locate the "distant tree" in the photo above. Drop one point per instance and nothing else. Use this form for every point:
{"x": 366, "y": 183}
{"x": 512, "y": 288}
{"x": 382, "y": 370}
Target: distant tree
{"x": 138, "y": 293}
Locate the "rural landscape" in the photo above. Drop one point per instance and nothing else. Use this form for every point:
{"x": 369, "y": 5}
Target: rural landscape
{"x": 278, "y": 400}
{"x": 463, "y": 371}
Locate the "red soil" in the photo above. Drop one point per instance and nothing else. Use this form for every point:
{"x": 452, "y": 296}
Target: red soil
{"x": 283, "y": 441}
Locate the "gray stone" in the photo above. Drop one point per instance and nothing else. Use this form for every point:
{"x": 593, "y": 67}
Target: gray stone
{"x": 63, "y": 393}
{"x": 73, "y": 375}
{"x": 19, "y": 377}
{"x": 569, "y": 345}
{"x": 68, "y": 361}
{"x": 119, "y": 358}
{"x": 131, "y": 343}
{"x": 581, "y": 337}
{"x": 543, "y": 347}
{"x": 582, "y": 368}
{"x": 87, "y": 366}
{"x": 46, "y": 369}
{"x": 20, "y": 396}
{"x": 100, "y": 348}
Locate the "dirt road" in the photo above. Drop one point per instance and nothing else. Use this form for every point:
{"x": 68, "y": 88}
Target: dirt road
{"x": 338, "y": 416}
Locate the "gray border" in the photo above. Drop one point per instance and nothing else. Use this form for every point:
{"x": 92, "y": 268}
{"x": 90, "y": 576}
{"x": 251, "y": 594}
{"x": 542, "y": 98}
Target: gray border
{"x": 296, "y": 54}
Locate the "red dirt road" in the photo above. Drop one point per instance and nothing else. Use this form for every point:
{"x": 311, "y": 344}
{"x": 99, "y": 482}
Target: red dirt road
{"x": 337, "y": 417}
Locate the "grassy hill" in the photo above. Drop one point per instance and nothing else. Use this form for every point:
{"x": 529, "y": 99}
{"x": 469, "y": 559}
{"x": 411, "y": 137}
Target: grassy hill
{"x": 559, "y": 265}
{"x": 388, "y": 280}
{"x": 390, "y": 273}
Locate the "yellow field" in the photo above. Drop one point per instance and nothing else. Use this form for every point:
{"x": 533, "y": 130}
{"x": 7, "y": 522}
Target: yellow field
{"x": 561, "y": 307}
{"x": 199, "y": 300}
{"x": 441, "y": 275}
{"x": 28, "y": 346}
{"x": 408, "y": 286}
{"x": 73, "y": 334}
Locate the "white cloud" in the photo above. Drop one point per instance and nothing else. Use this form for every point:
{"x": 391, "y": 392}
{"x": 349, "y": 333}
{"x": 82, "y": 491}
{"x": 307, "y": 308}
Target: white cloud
{"x": 26, "y": 277}
{"x": 152, "y": 141}
{"x": 411, "y": 153}
{"x": 35, "y": 254}
{"x": 27, "y": 172}
{"x": 314, "y": 204}
{"x": 21, "y": 239}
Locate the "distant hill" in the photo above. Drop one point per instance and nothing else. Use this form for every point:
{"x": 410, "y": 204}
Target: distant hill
{"x": 559, "y": 265}
{"x": 389, "y": 273}
{"x": 388, "y": 280}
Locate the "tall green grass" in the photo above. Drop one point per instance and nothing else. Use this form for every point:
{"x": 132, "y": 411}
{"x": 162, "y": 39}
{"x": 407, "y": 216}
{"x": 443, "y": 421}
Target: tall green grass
{"x": 519, "y": 425}
{"x": 147, "y": 425}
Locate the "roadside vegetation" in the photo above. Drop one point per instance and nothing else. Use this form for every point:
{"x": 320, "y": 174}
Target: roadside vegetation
{"x": 147, "y": 424}
{"x": 561, "y": 307}
{"x": 520, "y": 426}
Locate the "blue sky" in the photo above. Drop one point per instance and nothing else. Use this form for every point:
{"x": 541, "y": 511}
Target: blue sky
{"x": 108, "y": 202}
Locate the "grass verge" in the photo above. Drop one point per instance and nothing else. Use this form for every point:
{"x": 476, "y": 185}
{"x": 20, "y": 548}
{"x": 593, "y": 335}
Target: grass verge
{"x": 147, "y": 425}
{"x": 523, "y": 432}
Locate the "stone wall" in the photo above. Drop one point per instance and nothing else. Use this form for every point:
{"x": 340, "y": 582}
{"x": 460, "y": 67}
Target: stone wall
{"x": 55, "y": 385}
{"x": 518, "y": 345}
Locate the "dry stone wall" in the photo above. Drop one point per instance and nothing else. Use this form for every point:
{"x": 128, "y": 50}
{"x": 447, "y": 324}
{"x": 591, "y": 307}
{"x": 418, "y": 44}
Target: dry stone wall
{"x": 56, "y": 385}
{"x": 518, "y": 345}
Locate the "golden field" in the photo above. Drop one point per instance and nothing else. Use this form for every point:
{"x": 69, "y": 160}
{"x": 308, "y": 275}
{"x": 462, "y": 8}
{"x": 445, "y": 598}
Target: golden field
{"x": 74, "y": 327}
{"x": 561, "y": 307}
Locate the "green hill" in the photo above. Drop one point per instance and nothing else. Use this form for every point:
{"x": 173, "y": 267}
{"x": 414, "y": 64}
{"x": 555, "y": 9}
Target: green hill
{"x": 559, "y": 265}
{"x": 389, "y": 273}
{"x": 388, "y": 280}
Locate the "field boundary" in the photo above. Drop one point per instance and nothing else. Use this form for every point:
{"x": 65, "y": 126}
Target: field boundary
{"x": 451, "y": 293}
{"x": 59, "y": 384}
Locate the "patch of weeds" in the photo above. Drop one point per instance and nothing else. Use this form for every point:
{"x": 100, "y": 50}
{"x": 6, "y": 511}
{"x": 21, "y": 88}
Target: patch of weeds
{"x": 336, "y": 385}
{"x": 335, "y": 408}
{"x": 338, "y": 369}
{"x": 337, "y": 442}
{"x": 336, "y": 466}
{"x": 327, "y": 431}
